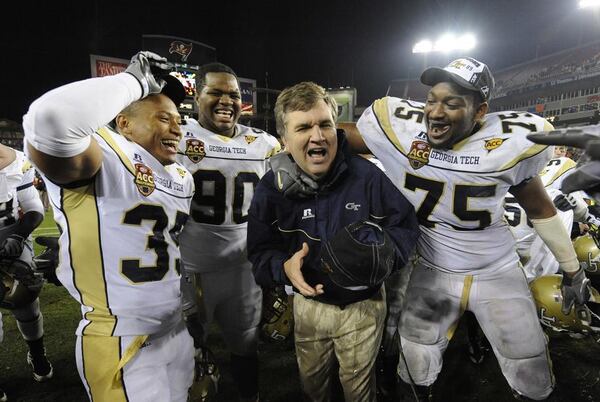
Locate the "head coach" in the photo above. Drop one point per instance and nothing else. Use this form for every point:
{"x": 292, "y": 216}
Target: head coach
{"x": 333, "y": 226}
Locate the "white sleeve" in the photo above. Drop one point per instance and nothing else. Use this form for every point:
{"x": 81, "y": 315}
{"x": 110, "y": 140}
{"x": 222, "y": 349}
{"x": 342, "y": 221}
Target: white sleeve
{"x": 60, "y": 122}
{"x": 553, "y": 233}
{"x": 29, "y": 199}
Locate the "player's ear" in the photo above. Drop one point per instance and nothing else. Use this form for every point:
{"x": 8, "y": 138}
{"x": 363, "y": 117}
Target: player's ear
{"x": 123, "y": 123}
{"x": 481, "y": 111}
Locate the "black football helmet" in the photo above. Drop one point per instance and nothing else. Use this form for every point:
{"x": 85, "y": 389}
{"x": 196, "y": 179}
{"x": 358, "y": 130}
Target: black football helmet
{"x": 277, "y": 320}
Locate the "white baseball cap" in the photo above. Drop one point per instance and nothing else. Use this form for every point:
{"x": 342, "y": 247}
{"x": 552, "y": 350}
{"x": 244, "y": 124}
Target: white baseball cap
{"x": 466, "y": 72}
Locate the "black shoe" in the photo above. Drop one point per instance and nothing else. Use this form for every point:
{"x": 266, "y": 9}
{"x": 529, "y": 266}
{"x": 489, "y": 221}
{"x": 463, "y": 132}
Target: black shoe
{"x": 42, "y": 369}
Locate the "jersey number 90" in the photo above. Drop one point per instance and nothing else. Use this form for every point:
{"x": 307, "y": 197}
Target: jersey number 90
{"x": 215, "y": 201}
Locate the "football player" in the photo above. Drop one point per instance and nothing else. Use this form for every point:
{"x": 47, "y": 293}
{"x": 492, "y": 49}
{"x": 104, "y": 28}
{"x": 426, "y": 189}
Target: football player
{"x": 535, "y": 256}
{"x": 556, "y": 170}
{"x": 455, "y": 163}
{"x": 120, "y": 200}
{"x": 226, "y": 160}
{"x": 21, "y": 211}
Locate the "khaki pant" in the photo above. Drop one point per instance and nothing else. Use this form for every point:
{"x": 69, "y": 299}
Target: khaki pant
{"x": 353, "y": 334}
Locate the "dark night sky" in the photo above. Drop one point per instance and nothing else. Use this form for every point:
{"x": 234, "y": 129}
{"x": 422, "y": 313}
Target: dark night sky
{"x": 335, "y": 43}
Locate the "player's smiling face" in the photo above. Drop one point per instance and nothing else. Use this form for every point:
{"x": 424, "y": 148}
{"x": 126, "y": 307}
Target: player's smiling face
{"x": 154, "y": 124}
{"x": 450, "y": 114}
{"x": 311, "y": 138}
{"x": 219, "y": 103}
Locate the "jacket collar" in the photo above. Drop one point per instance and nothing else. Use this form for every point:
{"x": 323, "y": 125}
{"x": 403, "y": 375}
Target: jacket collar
{"x": 339, "y": 167}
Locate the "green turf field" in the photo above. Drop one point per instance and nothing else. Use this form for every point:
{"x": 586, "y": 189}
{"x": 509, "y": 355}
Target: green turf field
{"x": 46, "y": 228}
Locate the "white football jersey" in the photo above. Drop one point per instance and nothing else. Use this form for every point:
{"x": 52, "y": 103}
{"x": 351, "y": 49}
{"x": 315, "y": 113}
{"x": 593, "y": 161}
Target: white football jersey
{"x": 226, "y": 171}
{"x": 458, "y": 193}
{"x": 16, "y": 181}
{"x": 536, "y": 257}
{"x": 556, "y": 170}
{"x": 119, "y": 254}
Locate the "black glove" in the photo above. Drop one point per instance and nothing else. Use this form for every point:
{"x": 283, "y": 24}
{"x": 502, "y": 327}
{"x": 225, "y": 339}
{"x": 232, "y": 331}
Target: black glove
{"x": 147, "y": 67}
{"x": 195, "y": 329}
{"x": 12, "y": 247}
{"x": 290, "y": 179}
{"x": 47, "y": 261}
{"x": 587, "y": 174}
{"x": 575, "y": 291}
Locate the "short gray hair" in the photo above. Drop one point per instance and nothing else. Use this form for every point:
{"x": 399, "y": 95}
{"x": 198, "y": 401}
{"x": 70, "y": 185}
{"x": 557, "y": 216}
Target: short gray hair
{"x": 302, "y": 97}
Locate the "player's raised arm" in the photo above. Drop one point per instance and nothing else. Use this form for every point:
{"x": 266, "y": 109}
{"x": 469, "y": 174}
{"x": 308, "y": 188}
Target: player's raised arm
{"x": 59, "y": 125}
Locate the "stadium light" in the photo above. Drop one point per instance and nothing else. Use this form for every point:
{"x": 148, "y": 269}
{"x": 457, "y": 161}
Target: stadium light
{"x": 589, "y": 3}
{"x": 446, "y": 43}
{"x": 424, "y": 46}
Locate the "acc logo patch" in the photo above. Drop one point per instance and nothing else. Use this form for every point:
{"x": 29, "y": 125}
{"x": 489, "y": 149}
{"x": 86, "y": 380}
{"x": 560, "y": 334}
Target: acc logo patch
{"x": 144, "y": 179}
{"x": 493, "y": 143}
{"x": 250, "y": 139}
{"x": 194, "y": 149}
{"x": 419, "y": 154}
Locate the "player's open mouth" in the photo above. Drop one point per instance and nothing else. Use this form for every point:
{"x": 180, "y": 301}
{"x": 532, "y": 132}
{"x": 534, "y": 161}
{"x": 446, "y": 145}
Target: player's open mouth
{"x": 224, "y": 114}
{"x": 317, "y": 154}
{"x": 437, "y": 130}
{"x": 171, "y": 145}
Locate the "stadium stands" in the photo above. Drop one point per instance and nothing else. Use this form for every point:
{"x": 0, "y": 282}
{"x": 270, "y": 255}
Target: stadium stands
{"x": 563, "y": 87}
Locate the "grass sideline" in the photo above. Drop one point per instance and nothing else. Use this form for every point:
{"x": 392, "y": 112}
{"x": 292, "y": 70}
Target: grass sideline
{"x": 61, "y": 316}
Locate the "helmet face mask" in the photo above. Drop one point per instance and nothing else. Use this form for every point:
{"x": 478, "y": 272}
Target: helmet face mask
{"x": 21, "y": 285}
{"x": 277, "y": 320}
{"x": 588, "y": 255}
{"x": 548, "y": 302}
{"x": 206, "y": 377}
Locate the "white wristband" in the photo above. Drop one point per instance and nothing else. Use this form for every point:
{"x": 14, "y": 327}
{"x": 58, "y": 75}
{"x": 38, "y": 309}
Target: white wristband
{"x": 555, "y": 236}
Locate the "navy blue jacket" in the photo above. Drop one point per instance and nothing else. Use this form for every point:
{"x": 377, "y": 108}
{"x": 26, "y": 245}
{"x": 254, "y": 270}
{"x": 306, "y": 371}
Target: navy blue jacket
{"x": 354, "y": 189}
